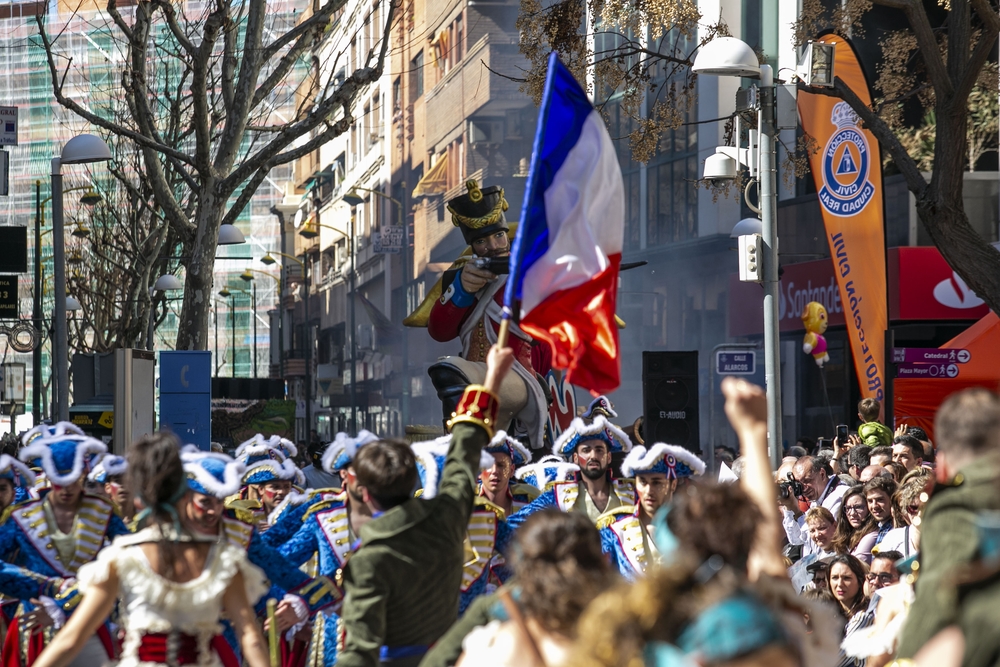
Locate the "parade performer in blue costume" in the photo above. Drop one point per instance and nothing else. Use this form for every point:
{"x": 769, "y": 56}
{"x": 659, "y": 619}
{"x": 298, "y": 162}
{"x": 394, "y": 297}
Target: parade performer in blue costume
{"x": 625, "y": 532}
{"x": 17, "y": 483}
{"x": 329, "y": 531}
{"x": 272, "y": 482}
{"x": 109, "y": 475}
{"x": 487, "y": 525}
{"x": 54, "y": 536}
{"x": 213, "y": 477}
{"x": 594, "y": 490}
{"x": 495, "y": 483}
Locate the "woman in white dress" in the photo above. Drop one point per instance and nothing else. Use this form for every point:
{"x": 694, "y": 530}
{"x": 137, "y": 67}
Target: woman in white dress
{"x": 173, "y": 586}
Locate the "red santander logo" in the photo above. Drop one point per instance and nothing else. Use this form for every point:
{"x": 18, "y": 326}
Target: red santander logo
{"x": 928, "y": 289}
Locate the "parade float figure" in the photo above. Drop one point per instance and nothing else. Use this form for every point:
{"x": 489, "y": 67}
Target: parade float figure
{"x": 329, "y": 532}
{"x": 625, "y": 534}
{"x": 466, "y": 304}
{"x": 814, "y": 319}
{"x": 594, "y": 490}
{"x": 54, "y": 537}
{"x": 211, "y": 478}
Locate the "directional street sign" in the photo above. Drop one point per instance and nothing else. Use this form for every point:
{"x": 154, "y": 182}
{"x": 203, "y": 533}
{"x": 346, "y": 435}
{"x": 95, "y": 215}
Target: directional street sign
{"x": 930, "y": 355}
{"x": 735, "y": 363}
{"x": 939, "y": 371}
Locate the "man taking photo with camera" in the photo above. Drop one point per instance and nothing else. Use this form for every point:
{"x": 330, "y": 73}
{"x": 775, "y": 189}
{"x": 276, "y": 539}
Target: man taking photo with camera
{"x": 816, "y": 485}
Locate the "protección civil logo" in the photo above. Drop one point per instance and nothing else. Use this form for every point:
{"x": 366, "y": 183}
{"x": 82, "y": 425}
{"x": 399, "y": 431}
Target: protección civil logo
{"x": 846, "y": 164}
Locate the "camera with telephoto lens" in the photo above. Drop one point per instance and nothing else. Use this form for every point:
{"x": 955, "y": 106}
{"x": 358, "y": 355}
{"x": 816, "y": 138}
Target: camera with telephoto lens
{"x": 792, "y": 488}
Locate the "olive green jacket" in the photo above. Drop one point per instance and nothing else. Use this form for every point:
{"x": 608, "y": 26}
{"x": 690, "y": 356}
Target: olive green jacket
{"x": 401, "y": 586}
{"x": 448, "y": 649}
{"x": 949, "y": 540}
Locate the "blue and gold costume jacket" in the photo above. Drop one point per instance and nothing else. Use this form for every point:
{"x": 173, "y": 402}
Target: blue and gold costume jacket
{"x": 324, "y": 532}
{"x": 622, "y": 538}
{"x": 485, "y": 567}
{"x": 565, "y": 495}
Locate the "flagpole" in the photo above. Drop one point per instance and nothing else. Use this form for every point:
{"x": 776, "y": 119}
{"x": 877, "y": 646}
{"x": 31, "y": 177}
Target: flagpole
{"x": 504, "y": 328}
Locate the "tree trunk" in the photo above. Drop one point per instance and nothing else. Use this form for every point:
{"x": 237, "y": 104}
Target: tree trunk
{"x": 192, "y": 329}
{"x": 942, "y": 209}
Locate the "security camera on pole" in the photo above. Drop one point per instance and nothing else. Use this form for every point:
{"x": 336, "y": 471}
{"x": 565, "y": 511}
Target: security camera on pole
{"x": 728, "y": 56}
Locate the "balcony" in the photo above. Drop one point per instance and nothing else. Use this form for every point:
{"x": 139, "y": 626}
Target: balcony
{"x": 466, "y": 90}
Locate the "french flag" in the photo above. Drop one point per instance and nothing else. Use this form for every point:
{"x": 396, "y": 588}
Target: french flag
{"x": 565, "y": 258}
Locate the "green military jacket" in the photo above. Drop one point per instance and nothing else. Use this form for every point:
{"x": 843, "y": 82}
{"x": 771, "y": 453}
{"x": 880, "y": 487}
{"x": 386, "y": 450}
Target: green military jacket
{"x": 401, "y": 586}
{"x": 949, "y": 540}
{"x": 448, "y": 649}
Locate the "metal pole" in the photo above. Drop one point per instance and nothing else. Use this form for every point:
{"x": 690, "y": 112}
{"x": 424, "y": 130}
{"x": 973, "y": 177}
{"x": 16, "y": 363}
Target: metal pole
{"x": 61, "y": 346}
{"x": 407, "y": 382}
{"x": 232, "y": 332}
{"x": 253, "y": 314}
{"x": 215, "y": 366}
{"x": 36, "y": 313}
{"x": 308, "y": 337}
{"x": 769, "y": 218}
{"x": 354, "y": 329}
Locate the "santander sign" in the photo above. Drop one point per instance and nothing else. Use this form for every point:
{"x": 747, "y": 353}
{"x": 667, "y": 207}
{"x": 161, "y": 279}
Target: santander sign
{"x": 954, "y": 293}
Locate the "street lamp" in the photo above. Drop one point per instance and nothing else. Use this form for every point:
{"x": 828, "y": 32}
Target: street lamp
{"x": 81, "y": 149}
{"x": 352, "y": 198}
{"x": 728, "y": 56}
{"x": 230, "y": 235}
{"x": 226, "y": 294}
{"x": 247, "y": 277}
{"x": 268, "y": 260}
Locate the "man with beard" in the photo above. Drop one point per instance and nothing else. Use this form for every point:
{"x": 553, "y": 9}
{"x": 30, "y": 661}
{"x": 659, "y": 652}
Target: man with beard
{"x": 594, "y": 491}
{"x": 213, "y": 477}
{"x": 468, "y": 305}
{"x": 56, "y": 535}
{"x": 626, "y": 532}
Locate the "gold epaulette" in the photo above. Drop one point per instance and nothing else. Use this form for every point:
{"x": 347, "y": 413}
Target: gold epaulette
{"x": 613, "y": 515}
{"x": 246, "y": 511}
{"x": 525, "y": 490}
{"x": 482, "y": 501}
{"x": 320, "y": 506}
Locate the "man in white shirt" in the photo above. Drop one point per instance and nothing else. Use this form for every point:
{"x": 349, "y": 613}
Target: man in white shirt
{"x": 820, "y": 488}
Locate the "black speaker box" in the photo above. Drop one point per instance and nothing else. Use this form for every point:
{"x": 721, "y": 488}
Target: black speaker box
{"x": 670, "y": 399}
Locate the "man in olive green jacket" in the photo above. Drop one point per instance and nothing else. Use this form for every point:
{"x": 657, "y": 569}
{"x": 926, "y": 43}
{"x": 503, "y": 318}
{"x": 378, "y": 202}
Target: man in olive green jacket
{"x": 402, "y": 584}
{"x": 967, "y": 428}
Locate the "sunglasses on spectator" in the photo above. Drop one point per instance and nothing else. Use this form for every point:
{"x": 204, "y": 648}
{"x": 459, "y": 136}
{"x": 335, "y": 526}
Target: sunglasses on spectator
{"x": 885, "y": 578}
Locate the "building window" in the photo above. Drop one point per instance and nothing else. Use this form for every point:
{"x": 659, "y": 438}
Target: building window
{"x": 397, "y": 95}
{"x": 417, "y": 76}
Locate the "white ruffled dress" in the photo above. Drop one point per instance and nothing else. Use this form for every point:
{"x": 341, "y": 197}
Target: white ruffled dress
{"x": 152, "y": 604}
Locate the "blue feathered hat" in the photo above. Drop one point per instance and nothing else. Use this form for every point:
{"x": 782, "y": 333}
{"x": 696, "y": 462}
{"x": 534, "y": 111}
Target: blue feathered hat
{"x": 267, "y": 460}
{"x": 547, "y": 471}
{"x": 430, "y": 455}
{"x": 19, "y": 475}
{"x": 50, "y": 431}
{"x": 210, "y": 473}
{"x": 340, "y": 453}
{"x": 671, "y": 460}
{"x": 61, "y": 453}
{"x": 599, "y": 429}
{"x": 601, "y": 405}
{"x": 504, "y": 444}
{"x": 108, "y": 466}
{"x": 259, "y": 444}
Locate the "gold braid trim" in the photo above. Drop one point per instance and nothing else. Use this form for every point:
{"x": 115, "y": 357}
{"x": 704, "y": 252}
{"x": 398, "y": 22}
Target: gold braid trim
{"x": 490, "y": 218}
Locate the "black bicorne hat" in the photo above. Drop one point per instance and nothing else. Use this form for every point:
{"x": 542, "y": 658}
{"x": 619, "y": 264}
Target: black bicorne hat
{"x": 479, "y": 212}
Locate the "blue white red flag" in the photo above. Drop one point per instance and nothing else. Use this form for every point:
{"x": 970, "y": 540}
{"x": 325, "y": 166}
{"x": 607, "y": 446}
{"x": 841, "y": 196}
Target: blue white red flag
{"x": 565, "y": 258}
